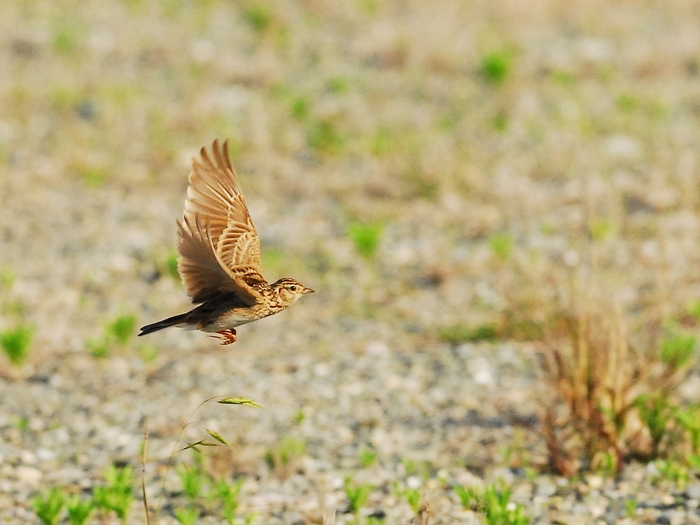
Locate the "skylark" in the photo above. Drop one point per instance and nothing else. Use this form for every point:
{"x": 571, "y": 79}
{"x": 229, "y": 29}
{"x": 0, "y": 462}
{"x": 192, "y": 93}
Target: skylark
{"x": 220, "y": 255}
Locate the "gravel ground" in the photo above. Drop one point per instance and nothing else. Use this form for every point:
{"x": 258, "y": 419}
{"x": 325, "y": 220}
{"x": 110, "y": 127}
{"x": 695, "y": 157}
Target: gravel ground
{"x": 460, "y": 414}
{"x": 377, "y": 112}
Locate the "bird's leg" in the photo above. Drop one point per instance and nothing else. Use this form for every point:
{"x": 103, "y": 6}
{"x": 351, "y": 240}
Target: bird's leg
{"x": 228, "y": 336}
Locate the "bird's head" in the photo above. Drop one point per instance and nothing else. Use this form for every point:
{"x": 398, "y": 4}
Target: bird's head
{"x": 289, "y": 290}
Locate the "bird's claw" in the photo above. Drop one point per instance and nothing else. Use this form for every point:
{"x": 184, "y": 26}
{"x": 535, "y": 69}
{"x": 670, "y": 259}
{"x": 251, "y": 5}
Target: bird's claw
{"x": 227, "y": 337}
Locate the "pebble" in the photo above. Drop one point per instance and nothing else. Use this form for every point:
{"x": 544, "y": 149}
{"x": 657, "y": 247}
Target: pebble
{"x": 44, "y": 454}
{"x": 545, "y": 487}
{"x": 667, "y": 499}
{"x": 27, "y": 457}
{"x": 28, "y": 475}
{"x": 413, "y": 482}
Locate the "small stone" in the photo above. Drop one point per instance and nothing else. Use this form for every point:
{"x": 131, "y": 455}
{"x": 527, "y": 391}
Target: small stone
{"x": 36, "y": 424}
{"x": 28, "y": 475}
{"x": 595, "y": 482}
{"x": 61, "y": 435}
{"x": 545, "y": 487}
{"x": 693, "y": 492}
{"x": 337, "y": 483}
{"x": 44, "y": 454}
{"x": 413, "y": 482}
{"x": 27, "y": 457}
{"x": 66, "y": 474}
{"x": 6, "y": 502}
{"x": 623, "y": 146}
{"x": 667, "y": 499}
{"x": 378, "y": 513}
{"x": 378, "y": 349}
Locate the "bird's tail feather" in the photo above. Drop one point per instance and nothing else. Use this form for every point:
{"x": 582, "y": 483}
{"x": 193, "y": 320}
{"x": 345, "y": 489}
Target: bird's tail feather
{"x": 165, "y": 323}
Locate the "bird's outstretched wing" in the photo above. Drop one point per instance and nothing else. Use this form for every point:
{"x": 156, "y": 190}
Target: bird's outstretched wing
{"x": 219, "y": 245}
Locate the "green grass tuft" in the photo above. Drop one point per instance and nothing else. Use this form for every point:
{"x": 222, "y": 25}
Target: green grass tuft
{"x": 79, "y": 511}
{"x": 48, "y": 506}
{"x": 494, "y": 503}
{"x": 678, "y": 350}
{"x": 626, "y": 102}
{"x": 122, "y": 328}
{"x": 368, "y": 457}
{"x": 366, "y": 237}
{"x": 357, "y": 495}
{"x": 413, "y": 497}
{"x": 301, "y": 108}
{"x": 283, "y": 457}
{"x": 456, "y": 334}
{"x": 193, "y": 480}
{"x": 601, "y": 229}
{"x": 171, "y": 266}
{"x": 381, "y": 142}
{"x": 65, "y": 41}
{"x": 323, "y": 136}
{"x": 92, "y": 176}
{"x": 188, "y": 516}
{"x": 339, "y": 84}
{"x": 7, "y": 278}
{"x": 496, "y": 67}
{"x": 502, "y": 245}
{"x": 15, "y": 342}
{"x": 229, "y": 495}
{"x": 118, "y": 493}
{"x": 259, "y": 16}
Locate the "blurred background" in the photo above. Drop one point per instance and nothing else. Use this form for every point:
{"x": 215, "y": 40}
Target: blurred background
{"x": 439, "y": 172}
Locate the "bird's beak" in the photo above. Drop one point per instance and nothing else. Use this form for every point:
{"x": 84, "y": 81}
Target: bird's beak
{"x": 307, "y": 290}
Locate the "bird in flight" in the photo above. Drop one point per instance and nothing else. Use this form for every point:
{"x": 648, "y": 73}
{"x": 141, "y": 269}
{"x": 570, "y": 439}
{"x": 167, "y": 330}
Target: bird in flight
{"x": 219, "y": 259}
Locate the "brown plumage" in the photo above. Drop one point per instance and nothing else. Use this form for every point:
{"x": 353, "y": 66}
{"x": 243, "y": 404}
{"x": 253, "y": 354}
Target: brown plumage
{"x": 220, "y": 255}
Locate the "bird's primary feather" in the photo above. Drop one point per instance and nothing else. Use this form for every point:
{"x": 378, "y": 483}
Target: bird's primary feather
{"x": 219, "y": 245}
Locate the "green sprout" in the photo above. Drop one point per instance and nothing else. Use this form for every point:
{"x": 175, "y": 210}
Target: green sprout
{"x": 496, "y": 67}
{"x": 99, "y": 348}
{"x": 502, "y": 245}
{"x": 229, "y": 494}
{"x": 259, "y": 16}
{"x": 413, "y": 497}
{"x": 323, "y": 136}
{"x": 48, "y": 506}
{"x": 366, "y": 237}
{"x": 678, "y": 350}
{"x": 188, "y": 516}
{"x": 118, "y": 494}
{"x": 79, "y": 511}
{"x": 281, "y": 457}
{"x": 301, "y": 108}
{"x": 368, "y": 457}
{"x": 122, "y": 328}
{"x": 455, "y": 334}
{"x": 494, "y": 503}
{"x": 15, "y": 343}
{"x": 357, "y": 495}
{"x": 192, "y": 479}
{"x": 171, "y": 266}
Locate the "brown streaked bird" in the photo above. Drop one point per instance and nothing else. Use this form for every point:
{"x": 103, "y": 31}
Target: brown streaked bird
{"x": 220, "y": 255}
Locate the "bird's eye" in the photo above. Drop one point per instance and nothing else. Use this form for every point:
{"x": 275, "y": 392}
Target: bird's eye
{"x": 293, "y": 288}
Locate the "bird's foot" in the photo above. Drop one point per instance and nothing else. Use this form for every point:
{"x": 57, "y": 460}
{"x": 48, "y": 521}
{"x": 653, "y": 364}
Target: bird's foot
{"x": 227, "y": 336}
